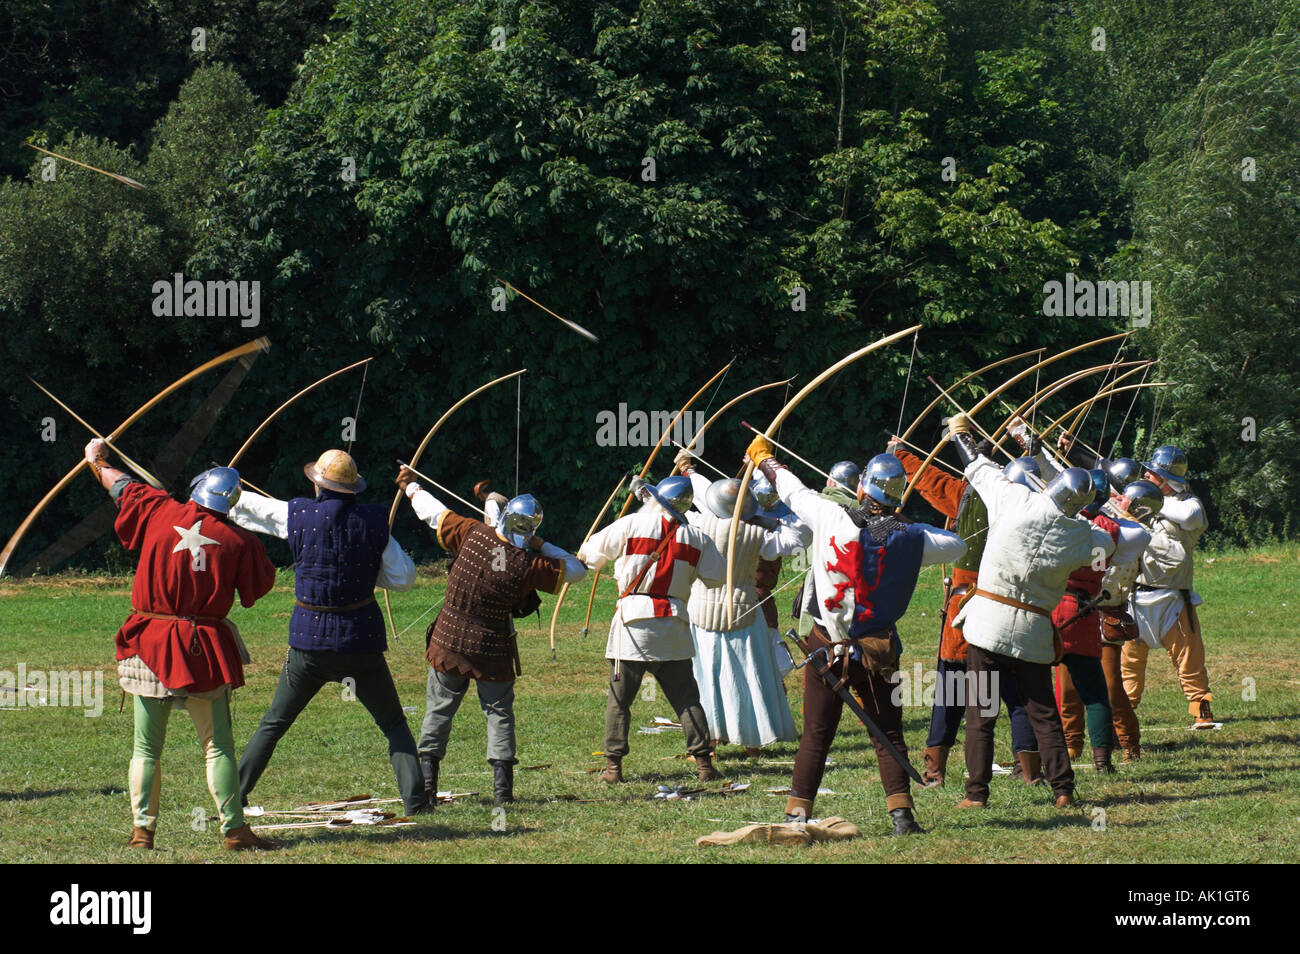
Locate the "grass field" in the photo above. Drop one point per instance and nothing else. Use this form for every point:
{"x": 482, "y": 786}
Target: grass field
{"x": 1226, "y": 796}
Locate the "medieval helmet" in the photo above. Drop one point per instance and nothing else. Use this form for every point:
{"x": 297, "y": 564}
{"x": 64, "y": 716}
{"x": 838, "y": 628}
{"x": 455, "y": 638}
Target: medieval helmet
{"x": 520, "y": 519}
{"x": 846, "y": 474}
{"x": 677, "y": 492}
{"x": 1071, "y": 490}
{"x": 721, "y": 499}
{"x": 884, "y": 480}
{"x": 1123, "y": 471}
{"x": 762, "y": 490}
{"x": 217, "y": 489}
{"x": 1170, "y": 463}
{"x": 1025, "y": 472}
{"x": 1144, "y": 500}
{"x": 1100, "y": 489}
{"x": 335, "y": 470}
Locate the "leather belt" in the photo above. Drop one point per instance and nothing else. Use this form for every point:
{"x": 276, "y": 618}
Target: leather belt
{"x": 194, "y": 648}
{"x": 1008, "y": 601}
{"x": 334, "y": 609}
{"x": 1058, "y": 643}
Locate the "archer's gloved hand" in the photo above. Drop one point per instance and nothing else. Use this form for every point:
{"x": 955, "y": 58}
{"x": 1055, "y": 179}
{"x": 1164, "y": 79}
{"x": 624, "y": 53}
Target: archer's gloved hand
{"x": 759, "y": 450}
{"x": 958, "y": 424}
{"x": 684, "y": 461}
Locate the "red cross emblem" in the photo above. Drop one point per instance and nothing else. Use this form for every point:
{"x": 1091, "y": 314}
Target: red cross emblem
{"x": 663, "y": 571}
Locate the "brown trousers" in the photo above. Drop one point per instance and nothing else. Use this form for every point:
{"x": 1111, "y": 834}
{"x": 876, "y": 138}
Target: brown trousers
{"x": 1034, "y": 681}
{"x": 822, "y": 709}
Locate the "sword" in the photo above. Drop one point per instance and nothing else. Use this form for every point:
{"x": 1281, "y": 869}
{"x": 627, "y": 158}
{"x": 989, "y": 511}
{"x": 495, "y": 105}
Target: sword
{"x": 877, "y": 733}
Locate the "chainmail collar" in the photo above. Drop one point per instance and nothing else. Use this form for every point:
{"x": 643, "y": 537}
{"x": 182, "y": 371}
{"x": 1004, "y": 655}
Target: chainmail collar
{"x": 880, "y": 525}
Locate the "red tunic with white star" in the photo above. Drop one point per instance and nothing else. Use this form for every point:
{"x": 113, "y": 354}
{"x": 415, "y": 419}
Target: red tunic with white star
{"x": 191, "y": 563}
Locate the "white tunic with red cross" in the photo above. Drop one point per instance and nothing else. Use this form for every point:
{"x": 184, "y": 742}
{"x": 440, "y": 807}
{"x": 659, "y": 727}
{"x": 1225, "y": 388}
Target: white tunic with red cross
{"x": 663, "y": 592}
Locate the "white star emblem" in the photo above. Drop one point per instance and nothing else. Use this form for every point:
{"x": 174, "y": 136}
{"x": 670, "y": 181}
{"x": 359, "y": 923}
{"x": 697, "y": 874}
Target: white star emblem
{"x": 192, "y": 540}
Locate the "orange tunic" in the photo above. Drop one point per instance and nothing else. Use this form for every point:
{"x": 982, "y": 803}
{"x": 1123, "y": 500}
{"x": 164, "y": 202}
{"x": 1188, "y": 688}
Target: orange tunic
{"x": 944, "y": 493}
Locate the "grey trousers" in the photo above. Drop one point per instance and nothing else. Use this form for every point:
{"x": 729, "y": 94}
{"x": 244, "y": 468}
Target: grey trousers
{"x": 676, "y": 677}
{"x": 444, "y": 696}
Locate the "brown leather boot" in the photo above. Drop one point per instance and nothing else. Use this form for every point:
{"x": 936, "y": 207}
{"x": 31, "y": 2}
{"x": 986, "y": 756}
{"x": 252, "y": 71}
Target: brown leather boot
{"x": 1076, "y": 752}
{"x": 1204, "y": 716}
{"x": 613, "y": 773}
{"x": 967, "y": 803}
{"x": 1064, "y": 801}
{"x": 141, "y": 838}
{"x": 704, "y": 769}
{"x": 1031, "y": 767}
{"x": 1133, "y": 753}
{"x": 936, "y": 765}
{"x": 243, "y": 839}
{"x": 1101, "y": 759}
{"x": 798, "y": 809}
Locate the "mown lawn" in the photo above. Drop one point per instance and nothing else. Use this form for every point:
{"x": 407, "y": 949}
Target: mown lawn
{"x": 1226, "y": 796}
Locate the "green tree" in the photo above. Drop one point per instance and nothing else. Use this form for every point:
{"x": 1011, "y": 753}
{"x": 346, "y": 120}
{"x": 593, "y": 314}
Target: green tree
{"x": 1218, "y": 218}
{"x": 213, "y": 120}
{"x": 774, "y": 168}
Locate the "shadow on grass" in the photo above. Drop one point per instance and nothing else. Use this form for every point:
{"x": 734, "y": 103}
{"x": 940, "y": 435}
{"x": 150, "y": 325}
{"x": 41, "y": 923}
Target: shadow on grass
{"x": 31, "y": 795}
{"x": 983, "y": 820}
{"x": 1158, "y": 798}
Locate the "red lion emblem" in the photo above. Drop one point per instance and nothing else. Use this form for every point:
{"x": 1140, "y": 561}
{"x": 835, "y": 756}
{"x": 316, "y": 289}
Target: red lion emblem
{"x": 848, "y": 562}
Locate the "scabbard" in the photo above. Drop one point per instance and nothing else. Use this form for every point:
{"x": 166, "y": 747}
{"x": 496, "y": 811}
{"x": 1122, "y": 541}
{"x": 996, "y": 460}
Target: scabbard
{"x": 943, "y": 612}
{"x": 846, "y": 694}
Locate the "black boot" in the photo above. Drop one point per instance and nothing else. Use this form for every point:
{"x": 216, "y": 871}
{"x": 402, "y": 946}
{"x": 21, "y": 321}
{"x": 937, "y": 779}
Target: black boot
{"x": 503, "y": 781}
{"x": 429, "y": 766}
{"x": 904, "y": 823}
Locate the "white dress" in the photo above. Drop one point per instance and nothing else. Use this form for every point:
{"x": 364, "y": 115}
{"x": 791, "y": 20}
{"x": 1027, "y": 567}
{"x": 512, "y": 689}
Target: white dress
{"x": 741, "y": 689}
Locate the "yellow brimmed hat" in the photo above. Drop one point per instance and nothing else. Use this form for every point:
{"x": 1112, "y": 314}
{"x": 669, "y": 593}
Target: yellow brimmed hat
{"x": 335, "y": 470}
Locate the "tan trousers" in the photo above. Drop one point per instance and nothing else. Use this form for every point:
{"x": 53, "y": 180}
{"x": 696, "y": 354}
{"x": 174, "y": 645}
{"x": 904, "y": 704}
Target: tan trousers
{"x": 1123, "y": 717}
{"x": 1186, "y": 651}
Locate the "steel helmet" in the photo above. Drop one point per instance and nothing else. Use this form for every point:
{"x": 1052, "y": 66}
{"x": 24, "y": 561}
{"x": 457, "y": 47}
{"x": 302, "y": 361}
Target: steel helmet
{"x": 1123, "y": 471}
{"x": 1071, "y": 490}
{"x": 884, "y": 480}
{"x": 520, "y": 519}
{"x": 846, "y": 474}
{"x": 764, "y": 492}
{"x": 677, "y": 492}
{"x": 217, "y": 489}
{"x": 721, "y": 499}
{"x": 1025, "y": 472}
{"x": 1145, "y": 500}
{"x": 1170, "y": 463}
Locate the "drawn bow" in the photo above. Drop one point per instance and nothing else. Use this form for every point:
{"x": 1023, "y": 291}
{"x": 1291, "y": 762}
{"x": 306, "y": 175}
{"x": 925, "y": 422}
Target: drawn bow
{"x": 591, "y": 599}
{"x": 234, "y": 354}
{"x": 419, "y": 452}
{"x": 776, "y": 422}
